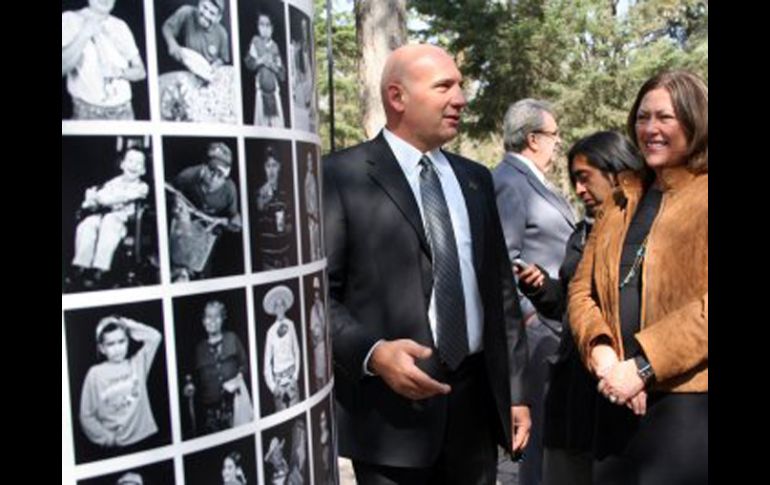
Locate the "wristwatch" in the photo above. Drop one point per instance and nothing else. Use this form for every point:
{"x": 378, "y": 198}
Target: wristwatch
{"x": 644, "y": 369}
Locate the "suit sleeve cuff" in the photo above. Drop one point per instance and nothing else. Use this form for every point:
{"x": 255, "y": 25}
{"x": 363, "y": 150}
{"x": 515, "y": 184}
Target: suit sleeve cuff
{"x": 365, "y": 368}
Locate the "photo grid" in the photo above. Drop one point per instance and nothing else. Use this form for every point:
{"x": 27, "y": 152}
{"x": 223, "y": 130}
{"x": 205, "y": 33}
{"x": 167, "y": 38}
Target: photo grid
{"x": 192, "y": 264}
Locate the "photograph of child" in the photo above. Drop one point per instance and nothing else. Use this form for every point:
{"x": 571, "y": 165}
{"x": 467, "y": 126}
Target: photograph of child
{"x": 263, "y": 70}
{"x": 109, "y": 227}
{"x": 118, "y": 387}
{"x": 279, "y": 338}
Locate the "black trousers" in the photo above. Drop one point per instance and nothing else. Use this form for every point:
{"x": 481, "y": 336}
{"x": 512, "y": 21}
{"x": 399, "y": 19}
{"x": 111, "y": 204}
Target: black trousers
{"x": 667, "y": 446}
{"x": 469, "y": 452}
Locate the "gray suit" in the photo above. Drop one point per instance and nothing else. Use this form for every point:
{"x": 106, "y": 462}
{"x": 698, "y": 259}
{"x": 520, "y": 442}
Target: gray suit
{"x": 537, "y": 224}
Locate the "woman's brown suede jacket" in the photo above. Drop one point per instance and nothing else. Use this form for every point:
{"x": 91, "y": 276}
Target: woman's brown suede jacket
{"x": 674, "y": 307}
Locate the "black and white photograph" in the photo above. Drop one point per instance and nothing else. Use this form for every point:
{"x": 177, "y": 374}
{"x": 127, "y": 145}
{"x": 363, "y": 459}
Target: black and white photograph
{"x": 109, "y": 225}
{"x": 324, "y": 444}
{"x": 279, "y": 338}
{"x": 196, "y": 78}
{"x": 310, "y": 202}
{"x": 270, "y": 176}
{"x": 233, "y": 463}
{"x": 264, "y": 73}
{"x": 212, "y": 347}
{"x": 203, "y": 207}
{"x": 103, "y": 60}
{"x": 161, "y": 473}
{"x": 305, "y": 110}
{"x": 117, "y": 379}
{"x": 318, "y": 343}
{"x": 285, "y": 449}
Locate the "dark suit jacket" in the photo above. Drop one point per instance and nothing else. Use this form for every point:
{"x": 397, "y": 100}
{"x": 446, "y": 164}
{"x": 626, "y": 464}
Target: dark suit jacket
{"x": 380, "y": 281}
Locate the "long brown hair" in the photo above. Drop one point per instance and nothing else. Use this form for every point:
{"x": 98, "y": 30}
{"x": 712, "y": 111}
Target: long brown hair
{"x": 690, "y": 97}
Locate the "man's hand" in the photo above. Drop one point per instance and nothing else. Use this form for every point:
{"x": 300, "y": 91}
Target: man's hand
{"x": 522, "y": 425}
{"x": 394, "y": 362}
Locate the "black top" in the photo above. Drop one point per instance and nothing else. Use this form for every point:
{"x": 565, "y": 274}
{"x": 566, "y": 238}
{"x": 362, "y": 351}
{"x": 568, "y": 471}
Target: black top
{"x": 569, "y": 402}
{"x": 631, "y": 291}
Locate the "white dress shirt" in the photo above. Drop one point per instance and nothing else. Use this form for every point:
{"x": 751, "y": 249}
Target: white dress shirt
{"x": 408, "y": 158}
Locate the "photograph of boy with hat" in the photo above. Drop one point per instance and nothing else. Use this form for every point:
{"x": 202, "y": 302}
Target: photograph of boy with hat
{"x": 282, "y": 351}
{"x": 278, "y": 316}
{"x": 204, "y": 208}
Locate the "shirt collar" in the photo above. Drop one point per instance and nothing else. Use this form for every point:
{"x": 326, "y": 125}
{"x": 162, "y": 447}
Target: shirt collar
{"x": 408, "y": 156}
{"x": 532, "y": 167}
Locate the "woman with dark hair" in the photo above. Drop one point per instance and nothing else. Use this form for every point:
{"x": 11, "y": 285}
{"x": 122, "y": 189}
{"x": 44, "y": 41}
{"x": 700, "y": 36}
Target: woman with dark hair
{"x": 594, "y": 162}
{"x": 638, "y": 303}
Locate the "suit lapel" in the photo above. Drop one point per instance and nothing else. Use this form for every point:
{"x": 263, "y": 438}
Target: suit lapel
{"x": 385, "y": 171}
{"x": 471, "y": 188}
{"x": 558, "y": 202}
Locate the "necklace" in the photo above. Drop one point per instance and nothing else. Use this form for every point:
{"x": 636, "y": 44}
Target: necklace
{"x": 638, "y": 259}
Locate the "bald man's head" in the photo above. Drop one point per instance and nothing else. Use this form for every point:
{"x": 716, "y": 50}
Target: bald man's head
{"x": 398, "y": 64}
{"x": 421, "y": 90}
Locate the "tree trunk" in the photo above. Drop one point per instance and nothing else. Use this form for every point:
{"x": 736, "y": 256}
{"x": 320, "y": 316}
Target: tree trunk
{"x": 380, "y": 29}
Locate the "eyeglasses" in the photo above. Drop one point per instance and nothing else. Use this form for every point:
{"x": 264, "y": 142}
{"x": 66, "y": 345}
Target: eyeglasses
{"x": 554, "y": 134}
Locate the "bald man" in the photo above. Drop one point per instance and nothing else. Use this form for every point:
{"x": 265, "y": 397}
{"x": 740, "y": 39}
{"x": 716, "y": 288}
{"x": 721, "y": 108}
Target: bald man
{"x": 428, "y": 343}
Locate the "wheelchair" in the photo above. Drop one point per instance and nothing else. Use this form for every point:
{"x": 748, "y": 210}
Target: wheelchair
{"x": 135, "y": 261}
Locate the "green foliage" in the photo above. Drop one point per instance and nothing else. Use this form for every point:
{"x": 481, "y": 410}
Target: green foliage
{"x": 581, "y": 55}
{"x": 347, "y": 116}
{"x": 578, "y": 54}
